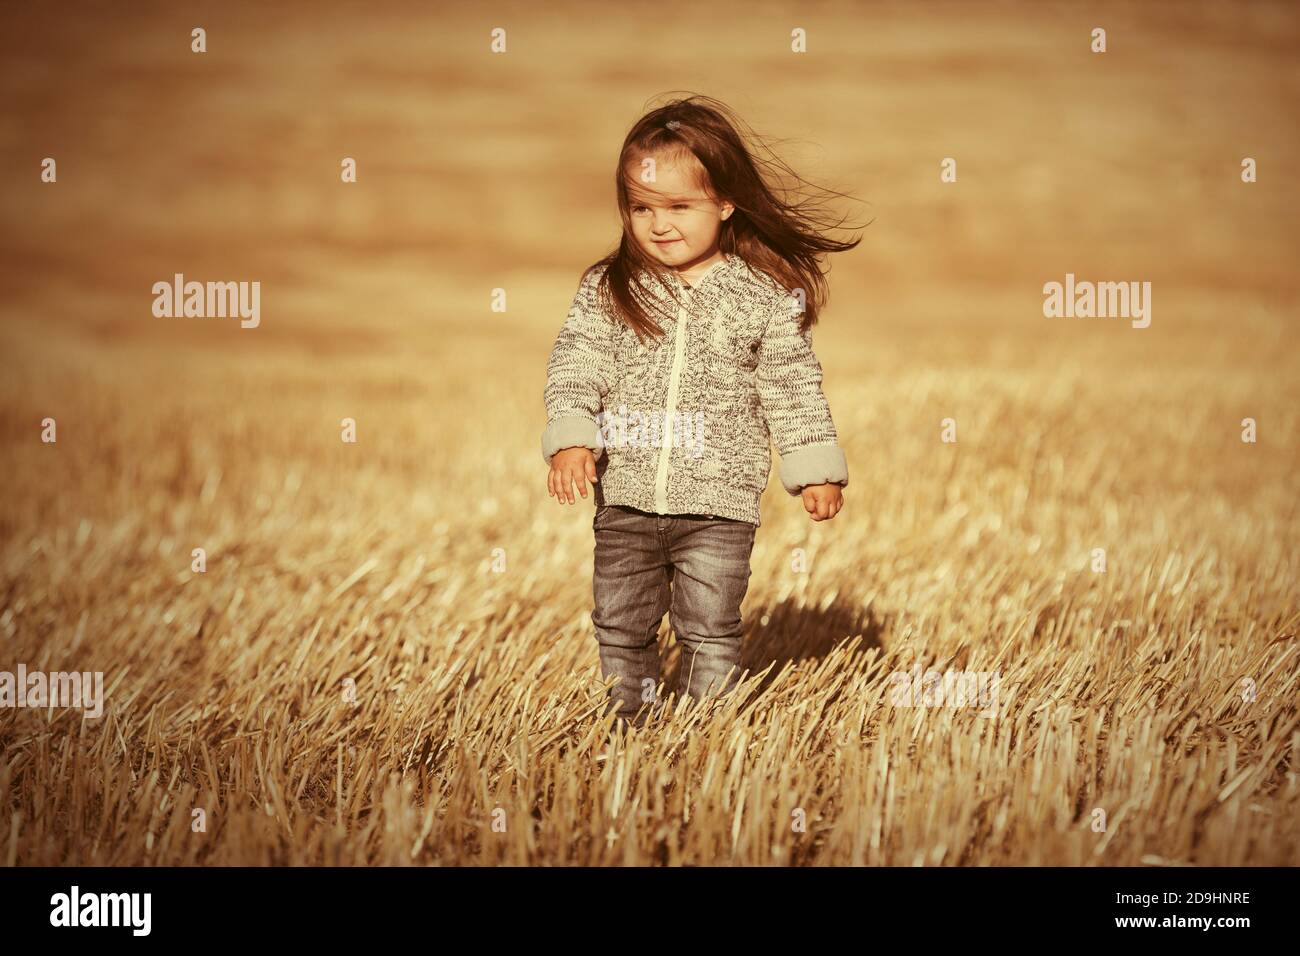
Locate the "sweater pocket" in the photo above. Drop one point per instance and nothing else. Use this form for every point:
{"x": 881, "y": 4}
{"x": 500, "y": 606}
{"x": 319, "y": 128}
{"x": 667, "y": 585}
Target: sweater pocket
{"x": 728, "y": 363}
{"x": 731, "y": 348}
{"x": 733, "y": 462}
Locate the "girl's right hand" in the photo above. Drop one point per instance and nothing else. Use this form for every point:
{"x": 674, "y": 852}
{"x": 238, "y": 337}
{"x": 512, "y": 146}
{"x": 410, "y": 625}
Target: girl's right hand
{"x": 569, "y": 467}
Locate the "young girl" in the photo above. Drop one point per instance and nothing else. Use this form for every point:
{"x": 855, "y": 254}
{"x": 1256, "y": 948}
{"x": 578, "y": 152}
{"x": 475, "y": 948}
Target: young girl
{"x": 685, "y": 352}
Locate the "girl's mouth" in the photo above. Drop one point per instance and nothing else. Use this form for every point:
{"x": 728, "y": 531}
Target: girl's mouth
{"x": 665, "y": 242}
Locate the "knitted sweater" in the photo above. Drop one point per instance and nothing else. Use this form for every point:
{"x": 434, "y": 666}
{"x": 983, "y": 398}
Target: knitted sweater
{"x": 681, "y": 424}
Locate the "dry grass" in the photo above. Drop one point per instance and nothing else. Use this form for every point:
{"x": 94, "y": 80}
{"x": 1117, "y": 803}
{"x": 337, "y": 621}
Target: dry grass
{"x": 476, "y": 688}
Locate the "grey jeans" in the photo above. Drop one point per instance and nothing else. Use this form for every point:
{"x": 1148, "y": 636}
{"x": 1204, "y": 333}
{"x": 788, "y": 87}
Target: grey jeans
{"x": 694, "y": 567}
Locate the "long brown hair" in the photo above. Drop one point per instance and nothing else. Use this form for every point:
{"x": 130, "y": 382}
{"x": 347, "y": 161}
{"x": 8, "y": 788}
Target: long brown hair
{"x": 772, "y": 234}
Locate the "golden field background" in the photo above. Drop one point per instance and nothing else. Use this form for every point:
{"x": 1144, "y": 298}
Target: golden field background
{"x": 476, "y": 689}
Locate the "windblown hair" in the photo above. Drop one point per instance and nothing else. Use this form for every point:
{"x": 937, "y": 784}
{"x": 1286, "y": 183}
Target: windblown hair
{"x": 775, "y": 228}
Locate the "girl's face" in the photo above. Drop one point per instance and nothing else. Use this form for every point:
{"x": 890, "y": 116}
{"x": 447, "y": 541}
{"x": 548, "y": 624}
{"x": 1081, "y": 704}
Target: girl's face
{"x": 673, "y": 220}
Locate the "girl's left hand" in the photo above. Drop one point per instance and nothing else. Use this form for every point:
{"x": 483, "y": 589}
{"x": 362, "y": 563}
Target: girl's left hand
{"x": 823, "y": 502}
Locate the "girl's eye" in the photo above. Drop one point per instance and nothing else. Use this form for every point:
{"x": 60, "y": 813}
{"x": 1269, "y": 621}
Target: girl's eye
{"x": 680, "y": 205}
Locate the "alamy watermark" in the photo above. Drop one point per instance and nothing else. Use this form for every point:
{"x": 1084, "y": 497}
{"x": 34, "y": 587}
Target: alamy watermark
{"x": 934, "y": 688}
{"x": 56, "y": 689}
{"x": 210, "y": 300}
{"x": 75, "y": 908}
{"x": 1106, "y": 300}
{"x": 637, "y": 429}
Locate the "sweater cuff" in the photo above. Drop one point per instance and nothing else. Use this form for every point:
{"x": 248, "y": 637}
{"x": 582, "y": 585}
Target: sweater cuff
{"x": 814, "y": 465}
{"x": 571, "y": 432}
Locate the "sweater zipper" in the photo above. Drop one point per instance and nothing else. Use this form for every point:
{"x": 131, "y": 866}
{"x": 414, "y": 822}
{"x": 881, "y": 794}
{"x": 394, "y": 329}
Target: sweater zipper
{"x": 679, "y": 351}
